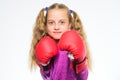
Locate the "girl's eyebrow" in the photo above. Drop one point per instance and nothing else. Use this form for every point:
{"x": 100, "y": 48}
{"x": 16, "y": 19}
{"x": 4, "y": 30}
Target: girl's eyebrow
{"x": 62, "y": 19}
{"x": 50, "y": 20}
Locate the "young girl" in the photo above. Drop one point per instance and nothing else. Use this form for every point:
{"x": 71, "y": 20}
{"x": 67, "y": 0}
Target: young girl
{"x": 59, "y": 45}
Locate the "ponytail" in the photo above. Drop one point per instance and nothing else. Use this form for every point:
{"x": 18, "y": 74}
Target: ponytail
{"x": 77, "y": 25}
{"x": 38, "y": 33}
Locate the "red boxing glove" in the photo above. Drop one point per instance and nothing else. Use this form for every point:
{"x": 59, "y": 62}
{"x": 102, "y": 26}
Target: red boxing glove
{"x": 46, "y": 49}
{"x": 72, "y": 42}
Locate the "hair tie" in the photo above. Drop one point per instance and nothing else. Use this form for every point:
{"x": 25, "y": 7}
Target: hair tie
{"x": 46, "y": 8}
{"x": 70, "y": 11}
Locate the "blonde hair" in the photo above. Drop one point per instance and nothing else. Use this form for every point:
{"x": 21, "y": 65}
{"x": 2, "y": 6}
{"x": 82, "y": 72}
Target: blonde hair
{"x": 39, "y": 30}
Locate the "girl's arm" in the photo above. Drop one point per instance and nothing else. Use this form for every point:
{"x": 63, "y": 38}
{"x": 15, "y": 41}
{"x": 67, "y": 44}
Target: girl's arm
{"x": 83, "y": 75}
{"x": 82, "y": 70}
{"x": 45, "y": 72}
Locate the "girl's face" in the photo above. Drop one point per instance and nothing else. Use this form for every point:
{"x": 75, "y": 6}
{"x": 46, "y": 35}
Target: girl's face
{"x": 57, "y": 23}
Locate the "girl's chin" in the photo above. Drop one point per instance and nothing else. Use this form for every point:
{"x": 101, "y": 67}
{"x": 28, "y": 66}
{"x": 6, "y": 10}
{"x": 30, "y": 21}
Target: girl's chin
{"x": 56, "y": 37}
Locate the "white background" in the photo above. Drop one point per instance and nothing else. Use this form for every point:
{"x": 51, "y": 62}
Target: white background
{"x": 101, "y": 20}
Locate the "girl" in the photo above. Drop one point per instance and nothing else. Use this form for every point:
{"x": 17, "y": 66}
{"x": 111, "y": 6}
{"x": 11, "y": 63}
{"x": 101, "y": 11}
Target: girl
{"x": 59, "y": 45}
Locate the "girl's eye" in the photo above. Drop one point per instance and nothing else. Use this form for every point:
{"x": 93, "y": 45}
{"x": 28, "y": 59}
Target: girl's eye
{"x": 62, "y": 22}
{"x": 50, "y": 22}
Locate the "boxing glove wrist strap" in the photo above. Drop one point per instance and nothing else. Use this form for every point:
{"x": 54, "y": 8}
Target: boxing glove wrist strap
{"x": 44, "y": 67}
{"x": 43, "y": 64}
{"x": 81, "y": 65}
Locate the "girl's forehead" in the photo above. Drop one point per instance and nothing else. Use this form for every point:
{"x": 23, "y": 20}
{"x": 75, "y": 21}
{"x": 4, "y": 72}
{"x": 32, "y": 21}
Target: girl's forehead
{"x": 57, "y": 13}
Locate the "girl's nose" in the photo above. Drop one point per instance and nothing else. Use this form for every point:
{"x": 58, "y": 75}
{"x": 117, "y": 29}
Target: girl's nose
{"x": 56, "y": 27}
